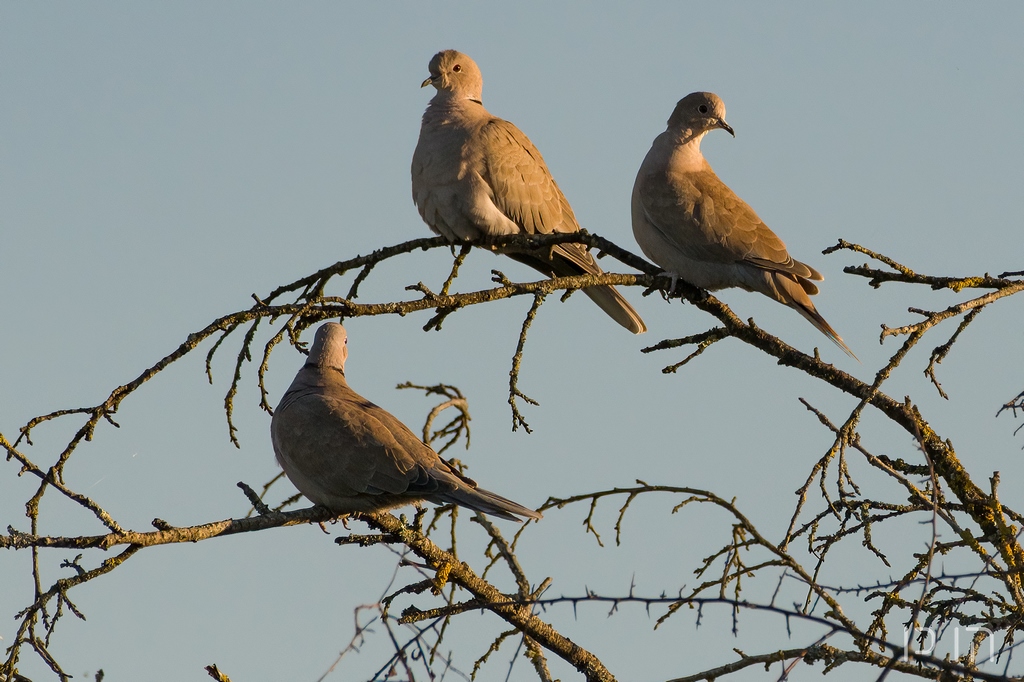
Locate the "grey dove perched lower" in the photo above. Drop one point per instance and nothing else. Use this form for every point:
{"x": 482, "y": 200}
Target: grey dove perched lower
{"x": 476, "y": 176}
{"x": 691, "y": 224}
{"x": 345, "y": 453}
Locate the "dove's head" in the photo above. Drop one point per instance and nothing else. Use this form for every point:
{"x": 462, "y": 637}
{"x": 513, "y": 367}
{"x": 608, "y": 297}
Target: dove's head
{"x": 456, "y": 73}
{"x": 700, "y": 112}
{"x": 330, "y": 347}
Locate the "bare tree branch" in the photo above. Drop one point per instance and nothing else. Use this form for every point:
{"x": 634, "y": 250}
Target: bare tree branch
{"x": 937, "y": 489}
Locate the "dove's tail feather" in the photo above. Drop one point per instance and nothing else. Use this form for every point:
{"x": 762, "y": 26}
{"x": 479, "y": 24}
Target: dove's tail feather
{"x": 566, "y": 263}
{"x": 616, "y": 307}
{"x": 793, "y": 292}
{"x": 815, "y": 318}
{"x": 487, "y": 502}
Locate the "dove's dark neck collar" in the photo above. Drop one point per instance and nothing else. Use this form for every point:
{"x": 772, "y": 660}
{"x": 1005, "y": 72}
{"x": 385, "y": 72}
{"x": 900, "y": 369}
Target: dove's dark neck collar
{"x": 679, "y": 150}
{"x": 448, "y": 99}
{"x": 313, "y": 364}
{"x": 686, "y": 134}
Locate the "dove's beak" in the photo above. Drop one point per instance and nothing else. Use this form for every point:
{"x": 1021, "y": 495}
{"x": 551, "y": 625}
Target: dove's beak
{"x": 429, "y": 81}
{"x": 726, "y": 127}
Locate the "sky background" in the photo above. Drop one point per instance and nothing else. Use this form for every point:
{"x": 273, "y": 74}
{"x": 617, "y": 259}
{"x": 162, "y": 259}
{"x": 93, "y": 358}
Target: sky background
{"x": 161, "y": 163}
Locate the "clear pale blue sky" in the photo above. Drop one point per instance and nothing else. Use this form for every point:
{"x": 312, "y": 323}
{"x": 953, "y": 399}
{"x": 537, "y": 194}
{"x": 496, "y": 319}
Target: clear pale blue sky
{"x": 160, "y": 163}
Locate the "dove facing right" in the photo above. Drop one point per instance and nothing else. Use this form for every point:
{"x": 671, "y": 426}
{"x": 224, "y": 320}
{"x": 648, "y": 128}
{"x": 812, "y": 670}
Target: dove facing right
{"x": 690, "y": 223}
{"x": 345, "y": 453}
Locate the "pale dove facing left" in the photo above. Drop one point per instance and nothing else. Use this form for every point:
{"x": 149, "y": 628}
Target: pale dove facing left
{"x": 345, "y": 453}
{"x": 474, "y": 176}
{"x": 691, "y": 224}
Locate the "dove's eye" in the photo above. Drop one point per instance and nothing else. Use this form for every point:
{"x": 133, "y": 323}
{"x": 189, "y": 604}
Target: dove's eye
{"x": 703, "y": 108}
{"x": 456, "y": 68}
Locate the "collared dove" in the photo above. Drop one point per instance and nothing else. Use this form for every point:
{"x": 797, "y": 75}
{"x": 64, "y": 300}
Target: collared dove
{"x": 691, "y": 224}
{"x": 476, "y": 176}
{"x": 345, "y": 453}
